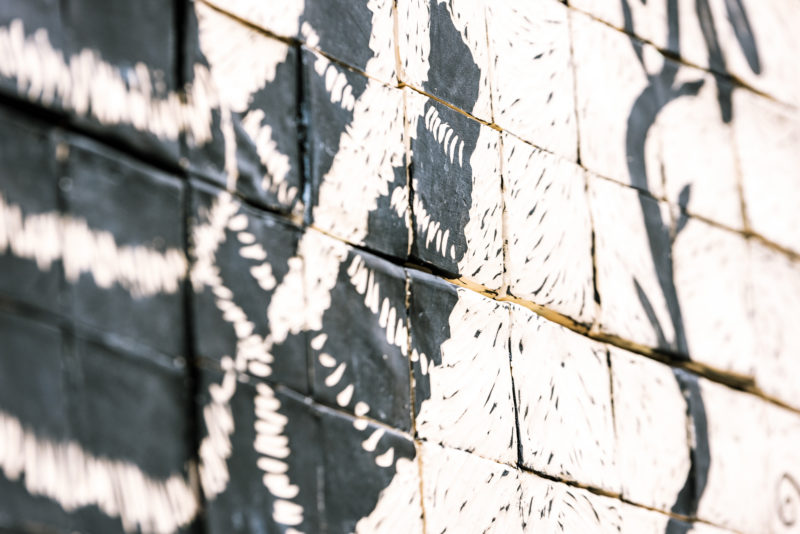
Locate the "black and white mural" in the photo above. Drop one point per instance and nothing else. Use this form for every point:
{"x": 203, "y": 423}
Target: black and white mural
{"x": 399, "y": 266}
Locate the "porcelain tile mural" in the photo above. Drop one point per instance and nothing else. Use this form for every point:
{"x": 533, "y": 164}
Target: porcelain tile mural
{"x": 399, "y": 266}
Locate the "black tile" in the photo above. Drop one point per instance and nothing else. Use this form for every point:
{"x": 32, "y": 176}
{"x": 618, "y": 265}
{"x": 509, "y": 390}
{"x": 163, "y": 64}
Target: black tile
{"x": 132, "y": 409}
{"x": 360, "y": 353}
{"x": 327, "y": 120}
{"x": 266, "y": 131}
{"x": 32, "y": 379}
{"x": 31, "y": 16}
{"x": 453, "y": 74}
{"x": 254, "y": 259}
{"x": 442, "y": 206}
{"x": 108, "y": 28}
{"x": 125, "y": 241}
{"x": 430, "y": 306}
{"x": 29, "y": 243}
{"x": 354, "y": 476}
{"x": 23, "y": 513}
{"x": 343, "y": 27}
{"x": 264, "y": 421}
{"x": 34, "y": 14}
{"x": 332, "y": 95}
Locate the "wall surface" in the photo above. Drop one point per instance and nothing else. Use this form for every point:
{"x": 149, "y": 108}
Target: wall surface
{"x": 399, "y": 266}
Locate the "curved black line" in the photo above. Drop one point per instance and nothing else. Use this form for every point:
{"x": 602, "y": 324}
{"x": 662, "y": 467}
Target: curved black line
{"x": 659, "y": 92}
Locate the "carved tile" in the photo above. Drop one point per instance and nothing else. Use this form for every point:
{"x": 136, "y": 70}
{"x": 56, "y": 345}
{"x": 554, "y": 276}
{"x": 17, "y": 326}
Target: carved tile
{"x": 616, "y": 110}
{"x": 466, "y": 493}
{"x": 776, "y": 304}
{"x": 371, "y": 477}
{"x": 30, "y": 255}
{"x": 457, "y": 222}
{"x": 254, "y": 146}
{"x": 260, "y": 456}
{"x": 766, "y": 137}
{"x": 443, "y": 51}
{"x": 359, "y": 190}
{"x": 459, "y": 343}
{"x": 712, "y": 268}
{"x": 359, "y": 348}
{"x": 549, "y": 231}
{"x": 532, "y": 76}
{"x": 632, "y": 240}
{"x": 247, "y": 281}
{"x": 125, "y": 271}
{"x": 651, "y": 430}
{"x": 563, "y": 397}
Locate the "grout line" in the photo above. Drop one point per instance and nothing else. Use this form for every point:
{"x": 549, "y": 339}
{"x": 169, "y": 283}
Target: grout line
{"x": 66, "y": 323}
{"x": 164, "y": 165}
{"x": 409, "y": 350}
{"x": 505, "y": 283}
{"x": 611, "y": 395}
{"x": 490, "y": 62}
{"x": 722, "y": 377}
{"x": 574, "y": 88}
{"x": 194, "y": 385}
{"x": 725, "y": 378}
{"x": 420, "y": 471}
{"x": 55, "y": 121}
{"x": 192, "y": 371}
{"x": 731, "y": 380}
{"x": 304, "y": 398}
{"x": 746, "y": 233}
{"x": 410, "y": 221}
{"x": 410, "y": 218}
{"x": 737, "y": 166}
{"x": 596, "y": 300}
{"x": 514, "y": 390}
{"x": 399, "y": 71}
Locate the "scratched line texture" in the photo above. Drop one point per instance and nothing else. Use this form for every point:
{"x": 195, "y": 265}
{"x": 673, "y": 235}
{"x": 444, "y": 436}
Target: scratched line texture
{"x": 399, "y": 266}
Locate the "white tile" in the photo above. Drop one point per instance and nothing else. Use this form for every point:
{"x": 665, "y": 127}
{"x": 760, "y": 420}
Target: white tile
{"x": 632, "y": 302}
{"x": 443, "y": 50}
{"x": 767, "y": 141}
{"x": 532, "y": 79}
{"x": 739, "y": 487}
{"x": 697, "y": 158}
{"x": 465, "y": 493}
{"x": 549, "y": 506}
{"x": 470, "y": 404}
{"x": 564, "y": 401}
{"x": 609, "y": 78}
{"x": 776, "y": 301}
{"x": 651, "y": 430}
{"x": 711, "y": 278}
{"x": 549, "y": 231}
